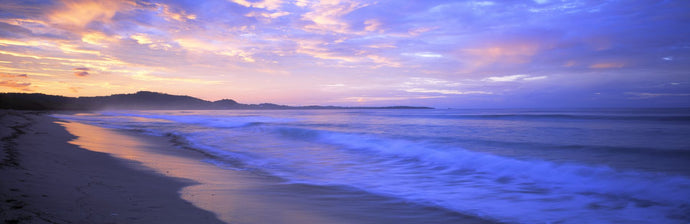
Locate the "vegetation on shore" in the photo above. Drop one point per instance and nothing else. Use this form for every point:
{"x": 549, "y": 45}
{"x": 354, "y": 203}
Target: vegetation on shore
{"x": 143, "y": 100}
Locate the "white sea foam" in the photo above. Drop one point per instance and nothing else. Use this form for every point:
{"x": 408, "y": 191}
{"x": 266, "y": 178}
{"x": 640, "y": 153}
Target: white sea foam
{"x": 504, "y": 188}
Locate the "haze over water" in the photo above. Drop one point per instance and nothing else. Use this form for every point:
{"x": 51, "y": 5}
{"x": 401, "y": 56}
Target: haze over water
{"x": 524, "y": 166}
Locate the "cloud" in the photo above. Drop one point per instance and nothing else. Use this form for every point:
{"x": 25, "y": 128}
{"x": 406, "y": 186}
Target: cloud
{"x": 373, "y": 25}
{"x": 318, "y": 49}
{"x": 265, "y": 10}
{"x": 326, "y": 16}
{"x": 388, "y": 44}
{"x": 8, "y": 80}
{"x": 607, "y": 65}
{"x": 218, "y": 47}
{"x": 424, "y": 55}
{"x": 383, "y": 61}
{"x": 80, "y": 13}
{"x": 148, "y": 77}
{"x": 141, "y": 38}
{"x": 509, "y": 78}
{"x": 81, "y": 72}
{"x": 381, "y": 46}
{"x": 75, "y": 89}
{"x": 9, "y": 30}
{"x": 265, "y": 4}
{"x": 170, "y": 13}
{"x": 513, "y": 78}
{"x": 98, "y": 38}
{"x": 535, "y": 78}
{"x": 267, "y": 15}
{"x": 447, "y": 91}
{"x": 15, "y": 85}
{"x": 7, "y": 75}
{"x": 638, "y": 95}
{"x": 364, "y": 99}
{"x": 503, "y": 53}
{"x": 154, "y": 43}
{"x": 420, "y": 30}
{"x": 438, "y": 86}
{"x": 425, "y": 81}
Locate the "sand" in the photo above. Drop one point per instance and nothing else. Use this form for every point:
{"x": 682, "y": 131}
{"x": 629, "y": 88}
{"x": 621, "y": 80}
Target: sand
{"x": 56, "y": 171}
{"x": 45, "y": 179}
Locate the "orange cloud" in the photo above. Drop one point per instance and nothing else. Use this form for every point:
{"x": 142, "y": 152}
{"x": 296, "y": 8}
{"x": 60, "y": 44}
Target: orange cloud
{"x": 107, "y": 61}
{"x": 29, "y": 43}
{"x": 80, "y": 13}
{"x": 98, "y": 38}
{"x": 11, "y": 83}
{"x": 16, "y": 85}
{"x": 175, "y": 14}
{"x": 75, "y": 89}
{"x": 7, "y": 75}
{"x": 607, "y": 65}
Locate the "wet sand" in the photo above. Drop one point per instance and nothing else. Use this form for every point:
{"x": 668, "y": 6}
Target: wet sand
{"x": 69, "y": 172}
{"x": 45, "y": 179}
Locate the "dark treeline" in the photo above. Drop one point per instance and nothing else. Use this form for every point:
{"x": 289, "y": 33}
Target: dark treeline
{"x": 142, "y": 100}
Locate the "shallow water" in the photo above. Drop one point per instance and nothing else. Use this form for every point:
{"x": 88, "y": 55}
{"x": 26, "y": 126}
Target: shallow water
{"x": 525, "y": 166}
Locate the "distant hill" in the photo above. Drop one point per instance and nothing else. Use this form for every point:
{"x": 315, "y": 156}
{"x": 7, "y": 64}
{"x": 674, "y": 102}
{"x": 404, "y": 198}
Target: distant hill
{"x": 143, "y": 100}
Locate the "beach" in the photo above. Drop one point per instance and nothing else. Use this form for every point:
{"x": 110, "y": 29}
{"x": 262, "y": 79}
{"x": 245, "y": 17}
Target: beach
{"x": 45, "y": 179}
{"x": 346, "y": 166}
{"x": 57, "y": 171}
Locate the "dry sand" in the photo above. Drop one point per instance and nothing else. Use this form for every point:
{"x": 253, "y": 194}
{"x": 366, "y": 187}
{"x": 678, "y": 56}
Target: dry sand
{"x": 45, "y": 179}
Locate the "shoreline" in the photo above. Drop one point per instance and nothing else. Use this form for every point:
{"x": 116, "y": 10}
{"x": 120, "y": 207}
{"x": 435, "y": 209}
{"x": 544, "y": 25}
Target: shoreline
{"x": 205, "y": 192}
{"x": 45, "y": 179}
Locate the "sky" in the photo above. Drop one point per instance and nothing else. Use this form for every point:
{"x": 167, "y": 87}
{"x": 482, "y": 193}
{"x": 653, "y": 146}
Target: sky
{"x": 439, "y": 53}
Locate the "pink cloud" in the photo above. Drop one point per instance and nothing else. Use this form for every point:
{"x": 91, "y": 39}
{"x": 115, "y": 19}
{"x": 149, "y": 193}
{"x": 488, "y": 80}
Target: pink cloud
{"x": 16, "y": 85}
{"x": 81, "y": 72}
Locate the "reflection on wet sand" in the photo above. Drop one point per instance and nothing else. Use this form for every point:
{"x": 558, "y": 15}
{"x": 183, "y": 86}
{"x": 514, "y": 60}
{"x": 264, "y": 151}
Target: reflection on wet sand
{"x": 233, "y": 196}
{"x": 246, "y": 196}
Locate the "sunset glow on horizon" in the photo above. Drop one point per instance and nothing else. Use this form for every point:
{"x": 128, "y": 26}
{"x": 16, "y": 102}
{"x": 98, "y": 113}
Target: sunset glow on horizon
{"x": 541, "y": 53}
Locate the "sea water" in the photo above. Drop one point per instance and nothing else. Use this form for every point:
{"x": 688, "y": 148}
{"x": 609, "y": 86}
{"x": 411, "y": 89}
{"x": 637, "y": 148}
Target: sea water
{"x": 507, "y": 165}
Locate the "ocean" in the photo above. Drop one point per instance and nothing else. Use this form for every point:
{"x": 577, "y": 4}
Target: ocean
{"x": 505, "y": 165}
